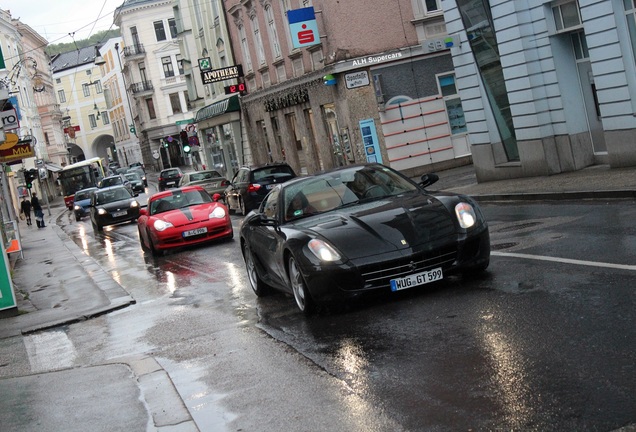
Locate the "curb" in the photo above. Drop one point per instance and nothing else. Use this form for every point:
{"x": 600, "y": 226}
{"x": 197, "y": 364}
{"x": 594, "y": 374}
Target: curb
{"x": 553, "y": 196}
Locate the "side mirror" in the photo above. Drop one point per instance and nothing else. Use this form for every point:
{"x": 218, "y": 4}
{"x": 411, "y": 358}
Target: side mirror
{"x": 143, "y": 211}
{"x": 428, "y": 179}
{"x": 263, "y": 220}
{"x": 216, "y": 197}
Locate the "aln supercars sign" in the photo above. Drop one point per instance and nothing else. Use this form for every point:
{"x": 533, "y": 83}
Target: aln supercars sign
{"x": 214, "y": 75}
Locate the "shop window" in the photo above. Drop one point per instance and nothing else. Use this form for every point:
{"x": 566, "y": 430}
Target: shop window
{"x": 453, "y": 103}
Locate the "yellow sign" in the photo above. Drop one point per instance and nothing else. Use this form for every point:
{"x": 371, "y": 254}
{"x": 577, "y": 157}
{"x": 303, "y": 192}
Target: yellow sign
{"x": 11, "y": 140}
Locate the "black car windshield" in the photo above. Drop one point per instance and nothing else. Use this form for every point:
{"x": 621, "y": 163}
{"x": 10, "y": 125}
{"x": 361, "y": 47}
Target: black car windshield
{"x": 338, "y": 189}
{"x": 179, "y": 200}
{"x": 111, "y": 181}
{"x": 112, "y": 196}
{"x": 272, "y": 172}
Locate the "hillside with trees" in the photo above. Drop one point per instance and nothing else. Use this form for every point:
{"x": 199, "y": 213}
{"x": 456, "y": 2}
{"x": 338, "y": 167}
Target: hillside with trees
{"x": 96, "y": 39}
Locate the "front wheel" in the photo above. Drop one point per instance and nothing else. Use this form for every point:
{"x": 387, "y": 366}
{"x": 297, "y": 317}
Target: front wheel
{"x": 242, "y": 207}
{"x": 141, "y": 240}
{"x": 303, "y": 298}
{"x": 258, "y": 286}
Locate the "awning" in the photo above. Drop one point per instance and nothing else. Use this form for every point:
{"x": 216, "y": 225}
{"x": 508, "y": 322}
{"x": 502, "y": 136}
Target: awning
{"x": 52, "y": 167}
{"x": 230, "y": 104}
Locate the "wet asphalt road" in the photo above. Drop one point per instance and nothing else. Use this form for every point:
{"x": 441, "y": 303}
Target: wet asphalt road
{"x": 545, "y": 340}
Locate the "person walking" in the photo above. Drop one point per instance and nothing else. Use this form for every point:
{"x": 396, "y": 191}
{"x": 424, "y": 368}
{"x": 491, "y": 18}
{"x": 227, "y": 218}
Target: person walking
{"x": 37, "y": 211}
{"x": 25, "y": 209}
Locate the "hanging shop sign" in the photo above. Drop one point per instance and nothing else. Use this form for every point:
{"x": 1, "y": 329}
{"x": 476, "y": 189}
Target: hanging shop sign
{"x": 303, "y": 27}
{"x": 9, "y": 119}
{"x": 14, "y": 149}
{"x": 434, "y": 45}
{"x": 214, "y": 75}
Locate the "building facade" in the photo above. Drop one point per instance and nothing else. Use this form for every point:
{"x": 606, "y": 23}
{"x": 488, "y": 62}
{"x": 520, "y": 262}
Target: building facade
{"x": 154, "y": 72}
{"x": 127, "y": 149}
{"x": 80, "y": 94}
{"x": 354, "y": 93}
{"x": 547, "y": 87}
{"x": 221, "y": 142}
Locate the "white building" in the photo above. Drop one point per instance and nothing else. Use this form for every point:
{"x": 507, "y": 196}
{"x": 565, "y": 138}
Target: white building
{"x": 118, "y": 103}
{"x": 547, "y": 87}
{"x": 155, "y": 75}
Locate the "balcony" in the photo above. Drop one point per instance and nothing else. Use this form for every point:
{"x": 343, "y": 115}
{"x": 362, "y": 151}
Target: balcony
{"x": 134, "y": 51}
{"x": 142, "y": 88}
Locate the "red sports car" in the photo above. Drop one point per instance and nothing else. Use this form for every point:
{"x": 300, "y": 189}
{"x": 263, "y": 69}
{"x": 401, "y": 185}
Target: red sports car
{"x": 182, "y": 217}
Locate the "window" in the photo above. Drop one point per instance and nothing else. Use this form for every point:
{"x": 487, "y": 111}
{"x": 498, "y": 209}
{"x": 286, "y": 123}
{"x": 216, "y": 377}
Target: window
{"x": 152, "y": 114}
{"x": 258, "y": 41}
{"x": 86, "y": 89}
{"x": 281, "y": 75}
{"x": 245, "y": 49}
{"x": 172, "y": 25}
{"x": 105, "y": 118}
{"x": 453, "y": 103}
{"x": 61, "y": 96}
{"x": 426, "y": 7}
{"x": 168, "y": 71}
{"x": 92, "y": 120}
{"x": 58, "y": 80}
{"x": 566, "y": 15}
{"x": 317, "y": 59}
{"x": 98, "y": 87}
{"x": 142, "y": 72}
{"x": 160, "y": 31}
{"x": 180, "y": 64}
{"x": 630, "y": 12}
{"x": 299, "y": 69}
{"x": 175, "y": 103}
{"x": 271, "y": 31}
{"x": 265, "y": 79}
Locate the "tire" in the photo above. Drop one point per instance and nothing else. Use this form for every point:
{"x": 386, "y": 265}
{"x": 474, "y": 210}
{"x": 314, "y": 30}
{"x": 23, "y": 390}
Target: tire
{"x": 242, "y": 208}
{"x": 77, "y": 218}
{"x": 153, "y": 250}
{"x": 259, "y": 287}
{"x": 97, "y": 227}
{"x": 301, "y": 294}
{"x": 141, "y": 240}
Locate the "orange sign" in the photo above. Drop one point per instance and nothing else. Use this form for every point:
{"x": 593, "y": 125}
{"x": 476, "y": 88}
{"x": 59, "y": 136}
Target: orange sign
{"x": 14, "y": 150}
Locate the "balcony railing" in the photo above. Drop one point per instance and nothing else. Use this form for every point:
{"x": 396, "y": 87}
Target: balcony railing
{"x": 140, "y": 87}
{"x": 134, "y": 50}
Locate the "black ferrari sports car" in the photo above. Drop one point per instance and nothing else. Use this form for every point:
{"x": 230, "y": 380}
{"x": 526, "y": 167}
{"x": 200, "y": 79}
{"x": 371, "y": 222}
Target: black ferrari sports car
{"x": 337, "y": 235}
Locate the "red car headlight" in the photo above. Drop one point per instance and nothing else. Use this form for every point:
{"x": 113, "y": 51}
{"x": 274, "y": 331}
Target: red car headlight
{"x": 217, "y": 213}
{"x": 161, "y": 225}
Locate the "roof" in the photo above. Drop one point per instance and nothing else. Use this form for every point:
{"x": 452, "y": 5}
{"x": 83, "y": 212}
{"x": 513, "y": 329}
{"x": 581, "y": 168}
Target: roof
{"x": 72, "y": 59}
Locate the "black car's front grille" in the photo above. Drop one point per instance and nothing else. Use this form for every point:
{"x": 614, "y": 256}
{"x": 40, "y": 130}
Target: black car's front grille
{"x": 378, "y": 275}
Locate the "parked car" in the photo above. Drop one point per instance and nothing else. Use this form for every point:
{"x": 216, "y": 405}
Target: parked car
{"x": 169, "y": 177}
{"x": 112, "y": 205}
{"x": 136, "y": 182}
{"x": 115, "y": 180}
{"x": 182, "y": 217}
{"x": 249, "y": 185}
{"x": 141, "y": 173}
{"x": 359, "y": 229}
{"x": 82, "y": 202}
{"x": 210, "y": 180}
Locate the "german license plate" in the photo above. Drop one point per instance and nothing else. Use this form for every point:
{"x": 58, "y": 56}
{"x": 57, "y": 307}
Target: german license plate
{"x": 120, "y": 213}
{"x": 417, "y": 279}
{"x": 195, "y": 232}
{"x": 269, "y": 186}
{"x": 170, "y": 183}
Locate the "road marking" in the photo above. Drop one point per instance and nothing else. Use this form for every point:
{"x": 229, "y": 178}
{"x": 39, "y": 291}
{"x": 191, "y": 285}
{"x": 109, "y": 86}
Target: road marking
{"x": 566, "y": 260}
{"x": 49, "y": 350}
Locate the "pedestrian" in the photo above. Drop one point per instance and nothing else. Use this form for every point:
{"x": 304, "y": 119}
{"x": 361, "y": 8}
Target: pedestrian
{"x": 25, "y": 209}
{"x": 37, "y": 211}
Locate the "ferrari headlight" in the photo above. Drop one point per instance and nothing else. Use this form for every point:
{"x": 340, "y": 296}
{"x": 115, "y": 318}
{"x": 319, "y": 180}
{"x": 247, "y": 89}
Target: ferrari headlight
{"x": 218, "y": 213}
{"x": 465, "y": 215}
{"x": 101, "y": 211}
{"x": 323, "y": 251}
{"x": 161, "y": 225}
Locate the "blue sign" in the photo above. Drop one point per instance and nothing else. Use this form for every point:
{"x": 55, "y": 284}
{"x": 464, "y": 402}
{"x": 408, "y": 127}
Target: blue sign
{"x": 370, "y": 141}
{"x": 303, "y": 27}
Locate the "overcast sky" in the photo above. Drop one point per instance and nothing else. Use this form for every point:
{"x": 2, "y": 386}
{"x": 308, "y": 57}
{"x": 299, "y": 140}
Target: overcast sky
{"x": 55, "y": 19}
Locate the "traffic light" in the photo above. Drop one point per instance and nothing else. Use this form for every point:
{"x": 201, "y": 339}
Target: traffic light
{"x": 184, "y": 141}
{"x": 29, "y": 176}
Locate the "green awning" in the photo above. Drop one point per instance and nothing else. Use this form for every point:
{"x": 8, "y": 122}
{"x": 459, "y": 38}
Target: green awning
{"x": 230, "y": 104}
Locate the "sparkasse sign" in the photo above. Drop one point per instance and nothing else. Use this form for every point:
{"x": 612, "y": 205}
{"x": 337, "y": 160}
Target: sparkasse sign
{"x": 226, "y": 73}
